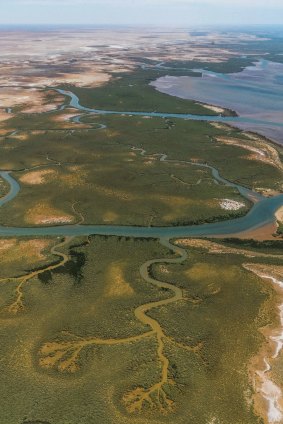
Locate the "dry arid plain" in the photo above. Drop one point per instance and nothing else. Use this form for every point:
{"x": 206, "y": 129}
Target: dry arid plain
{"x": 141, "y": 226}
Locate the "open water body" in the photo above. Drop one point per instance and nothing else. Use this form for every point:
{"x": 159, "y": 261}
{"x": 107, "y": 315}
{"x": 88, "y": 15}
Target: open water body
{"x": 256, "y": 94}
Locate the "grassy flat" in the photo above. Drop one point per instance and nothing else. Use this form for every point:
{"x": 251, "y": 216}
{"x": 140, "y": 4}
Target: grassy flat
{"x": 110, "y": 183}
{"x": 80, "y": 317}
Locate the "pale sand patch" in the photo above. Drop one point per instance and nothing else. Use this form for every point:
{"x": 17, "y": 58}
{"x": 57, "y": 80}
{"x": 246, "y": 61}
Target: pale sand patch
{"x": 267, "y": 192}
{"x": 27, "y": 250}
{"x": 116, "y": 284}
{"x": 20, "y": 137}
{"x": 202, "y": 271}
{"x": 63, "y": 117}
{"x": 111, "y": 134}
{"x": 267, "y": 232}
{"x": 35, "y": 100}
{"x": 163, "y": 269}
{"x": 118, "y": 194}
{"x": 231, "y": 205}
{"x": 216, "y": 109}
{"x": 279, "y": 215}
{"x": 110, "y": 216}
{"x": 74, "y": 168}
{"x": 5, "y": 131}
{"x": 43, "y": 213}
{"x": 38, "y": 107}
{"x": 38, "y": 132}
{"x": 24, "y": 135}
{"x": 216, "y": 248}
{"x": 36, "y": 177}
{"x": 177, "y": 203}
{"x": 260, "y": 149}
{"x": 65, "y": 120}
{"x": 219, "y": 126}
{"x": 4, "y": 116}
{"x": 89, "y": 78}
{"x": 214, "y": 420}
{"x": 77, "y": 177}
{"x": 200, "y": 55}
{"x": 268, "y": 397}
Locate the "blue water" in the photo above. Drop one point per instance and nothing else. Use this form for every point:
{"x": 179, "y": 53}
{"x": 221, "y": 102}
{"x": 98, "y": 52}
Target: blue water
{"x": 14, "y": 188}
{"x": 256, "y": 94}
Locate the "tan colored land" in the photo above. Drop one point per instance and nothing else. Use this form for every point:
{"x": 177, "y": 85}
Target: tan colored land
{"x": 218, "y": 248}
{"x": 37, "y": 177}
{"x": 115, "y": 193}
{"x": 268, "y": 396}
{"x": 19, "y": 136}
{"x": 5, "y": 131}
{"x": 4, "y": 116}
{"x": 31, "y": 100}
{"x": 45, "y": 214}
{"x": 73, "y": 176}
{"x": 267, "y": 232}
{"x": 100, "y": 54}
{"x": 220, "y": 126}
{"x": 65, "y": 119}
{"x": 260, "y": 149}
{"x": 110, "y": 216}
{"x": 17, "y": 304}
{"x": 216, "y": 109}
{"x": 117, "y": 285}
{"x": 14, "y": 250}
{"x": 279, "y": 215}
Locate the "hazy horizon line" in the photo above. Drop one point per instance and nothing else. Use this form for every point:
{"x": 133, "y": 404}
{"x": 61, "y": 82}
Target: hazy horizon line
{"x": 145, "y": 25}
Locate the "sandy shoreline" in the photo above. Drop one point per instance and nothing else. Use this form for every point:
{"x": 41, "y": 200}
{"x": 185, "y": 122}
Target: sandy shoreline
{"x": 227, "y": 93}
{"x": 260, "y": 234}
{"x": 268, "y": 396}
{"x": 279, "y": 215}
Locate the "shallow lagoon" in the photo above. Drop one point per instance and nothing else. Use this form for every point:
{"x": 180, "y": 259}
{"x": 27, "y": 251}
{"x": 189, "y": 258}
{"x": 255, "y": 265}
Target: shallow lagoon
{"x": 256, "y": 94}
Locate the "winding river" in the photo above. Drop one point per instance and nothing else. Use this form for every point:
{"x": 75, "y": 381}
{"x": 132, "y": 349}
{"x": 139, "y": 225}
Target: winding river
{"x": 75, "y": 103}
{"x": 261, "y": 214}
